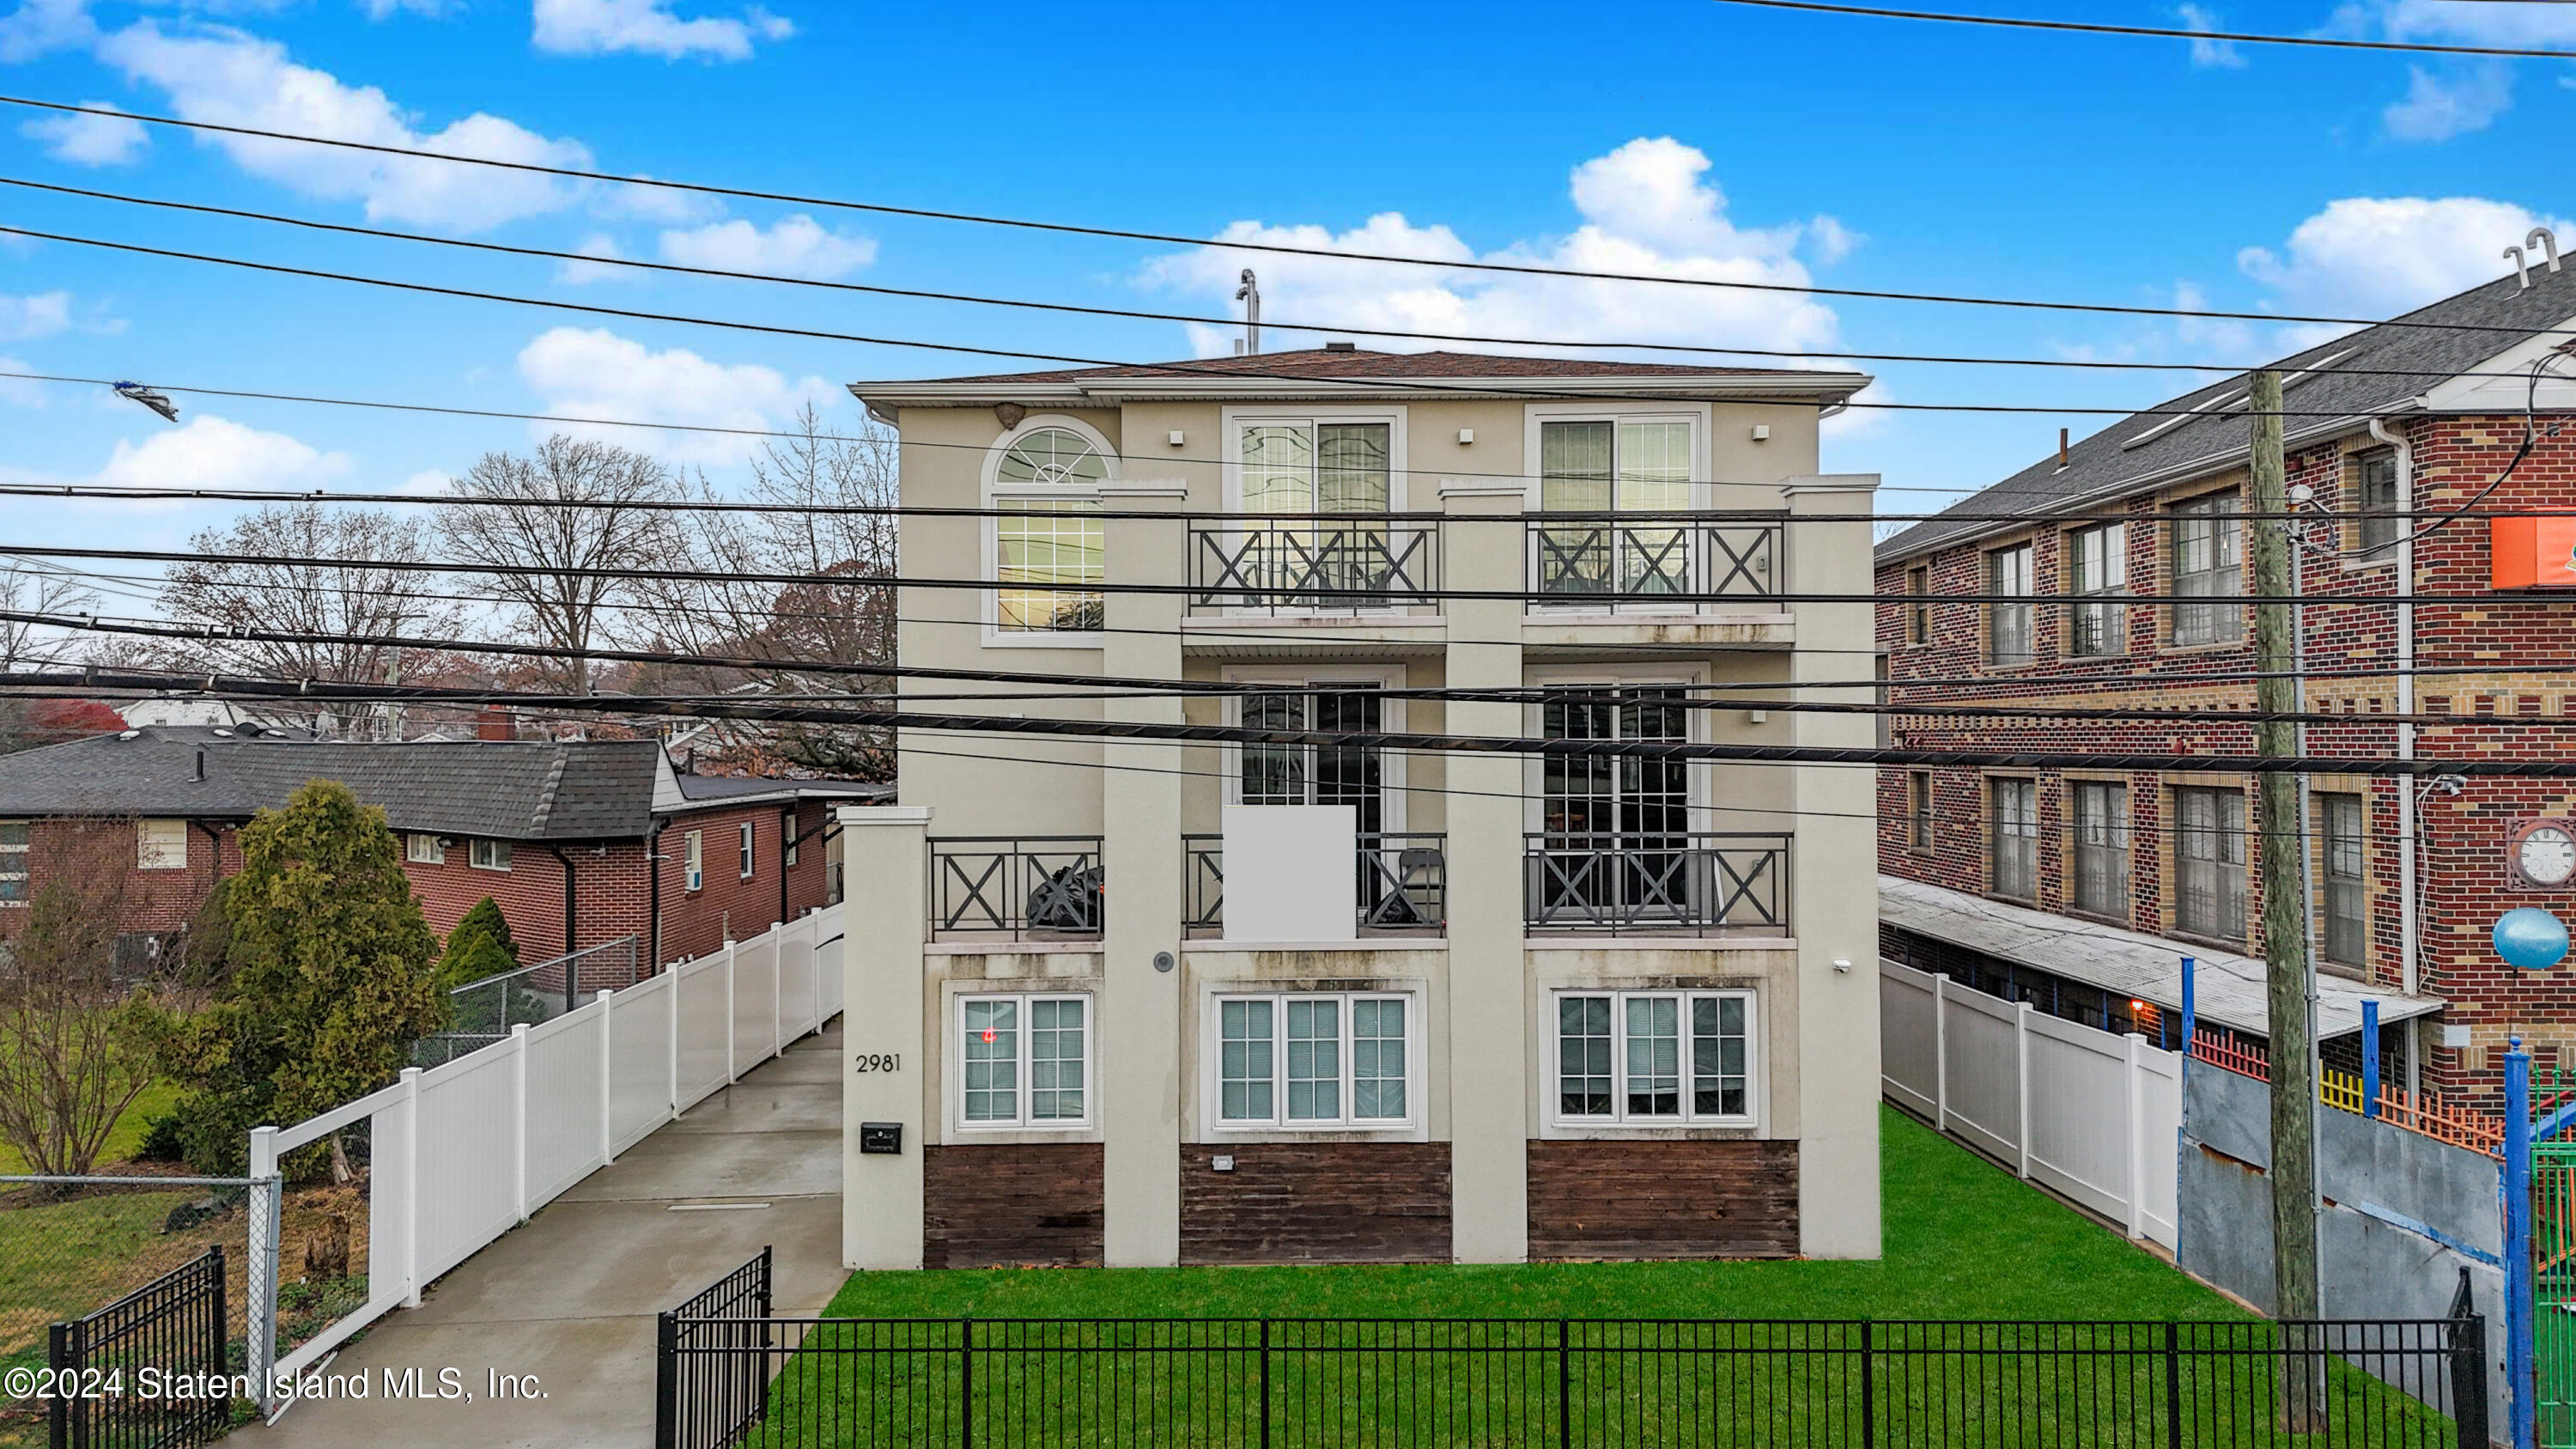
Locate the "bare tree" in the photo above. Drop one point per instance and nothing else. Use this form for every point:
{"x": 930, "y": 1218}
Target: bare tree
{"x": 560, "y": 606}
{"x": 72, "y": 1052}
{"x": 29, "y": 589}
{"x": 329, "y": 585}
{"x": 812, "y": 483}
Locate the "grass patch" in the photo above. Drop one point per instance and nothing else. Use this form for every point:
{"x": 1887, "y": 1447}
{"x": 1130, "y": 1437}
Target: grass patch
{"x": 125, "y": 1138}
{"x": 1963, "y": 1240}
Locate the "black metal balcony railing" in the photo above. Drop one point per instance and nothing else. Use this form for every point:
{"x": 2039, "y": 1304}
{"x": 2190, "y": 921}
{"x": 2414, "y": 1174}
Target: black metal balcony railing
{"x": 1578, "y": 560}
{"x": 1027, "y": 886}
{"x": 1403, "y": 882}
{"x": 1312, "y": 564}
{"x": 1697, "y": 882}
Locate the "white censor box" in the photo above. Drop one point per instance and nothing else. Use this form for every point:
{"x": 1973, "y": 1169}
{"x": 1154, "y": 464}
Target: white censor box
{"x": 1291, "y": 872}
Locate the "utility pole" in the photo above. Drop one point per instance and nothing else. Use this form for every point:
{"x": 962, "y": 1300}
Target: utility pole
{"x": 2283, "y": 856}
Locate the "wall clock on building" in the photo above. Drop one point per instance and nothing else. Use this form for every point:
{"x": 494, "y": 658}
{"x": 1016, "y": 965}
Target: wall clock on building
{"x": 2541, "y": 854}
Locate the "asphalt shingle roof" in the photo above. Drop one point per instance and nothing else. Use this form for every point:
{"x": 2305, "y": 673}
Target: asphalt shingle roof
{"x": 2402, "y": 362}
{"x": 1360, "y": 364}
{"x": 511, "y": 790}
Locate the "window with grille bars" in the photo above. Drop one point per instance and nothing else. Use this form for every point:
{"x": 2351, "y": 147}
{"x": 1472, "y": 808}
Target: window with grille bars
{"x": 2101, "y": 840}
{"x": 2346, "y": 901}
{"x": 2209, "y": 861}
{"x": 2008, "y": 623}
{"x": 2013, "y": 837}
{"x": 2377, "y": 496}
{"x": 2208, "y": 563}
{"x": 1025, "y": 1061}
{"x": 1918, "y": 809}
{"x": 2097, "y": 567}
{"x": 1654, "y": 1056}
{"x": 1314, "y": 1060}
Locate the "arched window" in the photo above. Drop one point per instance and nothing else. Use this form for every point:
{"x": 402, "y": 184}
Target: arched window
{"x": 1051, "y": 457}
{"x": 1047, "y": 538}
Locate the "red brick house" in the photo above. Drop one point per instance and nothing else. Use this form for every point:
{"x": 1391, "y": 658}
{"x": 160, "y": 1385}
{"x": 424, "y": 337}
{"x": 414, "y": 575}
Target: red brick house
{"x": 579, "y": 842}
{"x": 2408, "y": 876}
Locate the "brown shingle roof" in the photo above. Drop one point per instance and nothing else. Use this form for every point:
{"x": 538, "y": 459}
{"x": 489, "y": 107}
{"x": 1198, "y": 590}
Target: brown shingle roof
{"x": 1323, "y": 364}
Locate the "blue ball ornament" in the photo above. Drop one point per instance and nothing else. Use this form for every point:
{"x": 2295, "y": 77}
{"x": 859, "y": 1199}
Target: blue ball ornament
{"x": 2531, "y": 938}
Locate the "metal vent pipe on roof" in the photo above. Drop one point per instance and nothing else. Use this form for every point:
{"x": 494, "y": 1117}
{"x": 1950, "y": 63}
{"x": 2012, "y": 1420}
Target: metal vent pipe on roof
{"x": 1249, "y": 294}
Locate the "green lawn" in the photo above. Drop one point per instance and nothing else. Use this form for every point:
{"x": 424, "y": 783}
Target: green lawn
{"x": 1964, "y": 1240}
{"x": 124, "y": 1138}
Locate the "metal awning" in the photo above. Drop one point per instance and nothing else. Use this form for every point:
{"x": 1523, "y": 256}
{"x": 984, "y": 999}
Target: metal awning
{"x": 2227, "y": 988}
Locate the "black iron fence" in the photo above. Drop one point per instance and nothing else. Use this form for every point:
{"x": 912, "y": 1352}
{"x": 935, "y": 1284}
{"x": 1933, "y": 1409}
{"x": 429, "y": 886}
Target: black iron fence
{"x": 1696, "y": 881}
{"x": 148, "y": 1371}
{"x": 712, "y": 1361}
{"x": 1595, "y": 561}
{"x": 1016, "y": 886}
{"x": 1304, "y": 564}
{"x": 1403, "y": 882}
{"x": 1309, "y": 1384}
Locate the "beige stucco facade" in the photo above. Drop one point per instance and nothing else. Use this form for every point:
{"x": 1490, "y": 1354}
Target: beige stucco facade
{"x": 1480, "y": 989}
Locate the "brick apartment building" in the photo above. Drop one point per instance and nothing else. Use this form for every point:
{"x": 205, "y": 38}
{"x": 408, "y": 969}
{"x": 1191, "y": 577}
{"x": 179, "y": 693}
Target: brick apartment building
{"x": 2409, "y": 876}
{"x": 579, "y": 842}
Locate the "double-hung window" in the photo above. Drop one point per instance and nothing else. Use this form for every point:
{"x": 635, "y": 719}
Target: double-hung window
{"x": 424, "y": 850}
{"x": 787, "y": 837}
{"x": 2097, "y": 567}
{"x": 490, "y": 855}
{"x": 2346, "y": 852}
{"x": 2376, "y": 477}
{"x": 160, "y": 845}
{"x": 1314, "y": 1060}
{"x": 1047, "y": 546}
{"x": 2209, "y": 852}
{"x": 743, "y": 850}
{"x": 2012, "y": 837}
{"x": 1918, "y": 607}
{"x": 1654, "y": 1056}
{"x": 2101, "y": 847}
{"x": 15, "y": 837}
{"x": 1025, "y": 1061}
{"x": 1604, "y": 467}
{"x": 2208, "y": 563}
{"x": 1918, "y": 809}
{"x": 2008, "y": 616}
{"x": 693, "y": 859}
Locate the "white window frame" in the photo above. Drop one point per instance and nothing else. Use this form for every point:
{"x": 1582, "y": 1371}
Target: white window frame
{"x": 1233, "y": 420}
{"x": 15, "y": 857}
{"x": 424, "y": 849}
{"x": 1022, "y": 1121}
{"x": 1698, "y": 415}
{"x": 490, "y": 855}
{"x": 787, "y": 839}
{"x": 1619, "y": 1115}
{"x": 2098, "y": 601}
{"x": 1212, "y": 1063}
{"x": 996, "y": 495}
{"x": 746, "y": 851}
{"x": 154, "y": 852}
{"x": 693, "y": 860}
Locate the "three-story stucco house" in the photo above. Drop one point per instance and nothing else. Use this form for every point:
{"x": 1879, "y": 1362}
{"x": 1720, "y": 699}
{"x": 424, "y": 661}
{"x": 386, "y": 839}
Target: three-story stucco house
{"x": 1148, "y": 1001}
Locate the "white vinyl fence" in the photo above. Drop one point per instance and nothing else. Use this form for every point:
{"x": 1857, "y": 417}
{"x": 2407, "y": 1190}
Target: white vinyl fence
{"x": 2091, "y": 1115}
{"x": 461, "y": 1153}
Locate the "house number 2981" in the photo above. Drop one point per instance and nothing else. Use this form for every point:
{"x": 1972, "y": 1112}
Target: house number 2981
{"x": 882, "y": 1062}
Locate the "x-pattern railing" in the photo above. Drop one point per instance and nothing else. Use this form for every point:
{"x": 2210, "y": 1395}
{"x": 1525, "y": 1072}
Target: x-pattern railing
{"x": 1695, "y": 880}
{"x": 1022, "y": 884}
{"x": 1655, "y": 559}
{"x": 1311, "y": 564}
{"x": 1403, "y": 881}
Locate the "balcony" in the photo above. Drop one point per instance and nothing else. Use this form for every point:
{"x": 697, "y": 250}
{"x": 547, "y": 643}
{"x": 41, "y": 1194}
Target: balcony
{"x": 1657, "y": 565}
{"x": 1310, "y": 565}
{"x": 1403, "y": 884}
{"x": 1694, "y": 884}
{"x": 1016, "y": 888}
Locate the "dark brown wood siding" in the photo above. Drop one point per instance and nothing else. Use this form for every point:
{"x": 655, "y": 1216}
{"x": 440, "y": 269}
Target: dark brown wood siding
{"x": 1035, "y": 1204}
{"x": 1316, "y": 1202}
{"x": 1663, "y": 1199}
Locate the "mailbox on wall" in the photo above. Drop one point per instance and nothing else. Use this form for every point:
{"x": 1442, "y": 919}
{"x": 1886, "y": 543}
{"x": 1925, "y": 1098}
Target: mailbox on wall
{"x": 2532, "y": 553}
{"x": 881, "y": 1138}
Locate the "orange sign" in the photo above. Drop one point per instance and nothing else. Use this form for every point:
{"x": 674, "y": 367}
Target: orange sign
{"x": 2532, "y": 553}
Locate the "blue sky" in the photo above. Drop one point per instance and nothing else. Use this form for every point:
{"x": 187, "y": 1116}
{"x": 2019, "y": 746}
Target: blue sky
{"x": 1683, "y": 137}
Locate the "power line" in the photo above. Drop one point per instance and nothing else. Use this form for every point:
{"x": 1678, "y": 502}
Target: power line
{"x": 1135, "y": 314}
{"x": 2157, "y": 32}
{"x": 1864, "y": 757}
{"x": 1270, "y": 248}
{"x": 1192, "y": 369}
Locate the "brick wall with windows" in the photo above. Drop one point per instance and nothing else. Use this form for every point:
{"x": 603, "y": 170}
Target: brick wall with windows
{"x": 2464, "y": 885}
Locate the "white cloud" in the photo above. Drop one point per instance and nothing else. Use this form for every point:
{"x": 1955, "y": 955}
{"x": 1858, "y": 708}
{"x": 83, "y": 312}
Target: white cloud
{"x": 594, "y": 373}
{"x": 18, "y": 392}
{"x": 230, "y": 78}
{"x": 387, "y": 9}
{"x": 213, "y": 452}
{"x": 2368, "y": 256}
{"x": 602, "y": 245}
{"x": 2538, "y": 26}
{"x": 428, "y": 483}
{"x": 38, "y": 27}
{"x": 658, "y": 204}
{"x": 41, "y": 315}
{"x": 795, "y": 247}
{"x": 1647, "y": 207}
{"x": 1830, "y": 240}
{"x": 90, "y": 140}
{"x": 2438, "y": 107}
{"x": 599, "y": 27}
{"x": 2209, "y": 54}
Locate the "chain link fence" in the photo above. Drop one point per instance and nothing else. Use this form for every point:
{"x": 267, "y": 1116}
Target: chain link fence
{"x": 482, "y": 1012}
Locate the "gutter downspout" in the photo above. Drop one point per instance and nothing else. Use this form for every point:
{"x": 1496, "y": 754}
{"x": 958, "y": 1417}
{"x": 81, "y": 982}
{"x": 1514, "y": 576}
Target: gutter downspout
{"x": 2410, "y": 927}
{"x": 572, "y": 883}
{"x": 653, "y": 892}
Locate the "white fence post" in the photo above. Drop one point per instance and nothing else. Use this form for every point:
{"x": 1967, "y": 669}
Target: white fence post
{"x": 2021, "y": 1069}
{"x": 2135, "y": 1112}
{"x": 731, "y": 1069}
{"x": 1940, "y": 1053}
{"x": 519, "y": 1120}
{"x": 778, "y": 989}
{"x": 607, "y": 1096}
{"x": 411, "y": 1184}
{"x": 671, "y": 1111}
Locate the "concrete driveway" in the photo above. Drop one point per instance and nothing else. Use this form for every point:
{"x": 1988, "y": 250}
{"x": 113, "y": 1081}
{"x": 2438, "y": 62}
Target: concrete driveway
{"x": 570, "y": 1297}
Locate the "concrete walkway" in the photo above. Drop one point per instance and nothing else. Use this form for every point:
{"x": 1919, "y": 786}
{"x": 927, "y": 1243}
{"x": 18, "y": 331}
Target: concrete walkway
{"x": 570, "y": 1297}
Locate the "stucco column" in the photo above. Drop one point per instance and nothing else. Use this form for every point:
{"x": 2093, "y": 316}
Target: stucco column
{"x": 884, "y": 858}
{"x": 1140, "y": 814}
{"x": 1489, "y": 1041}
{"x": 1834, "y": 875}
